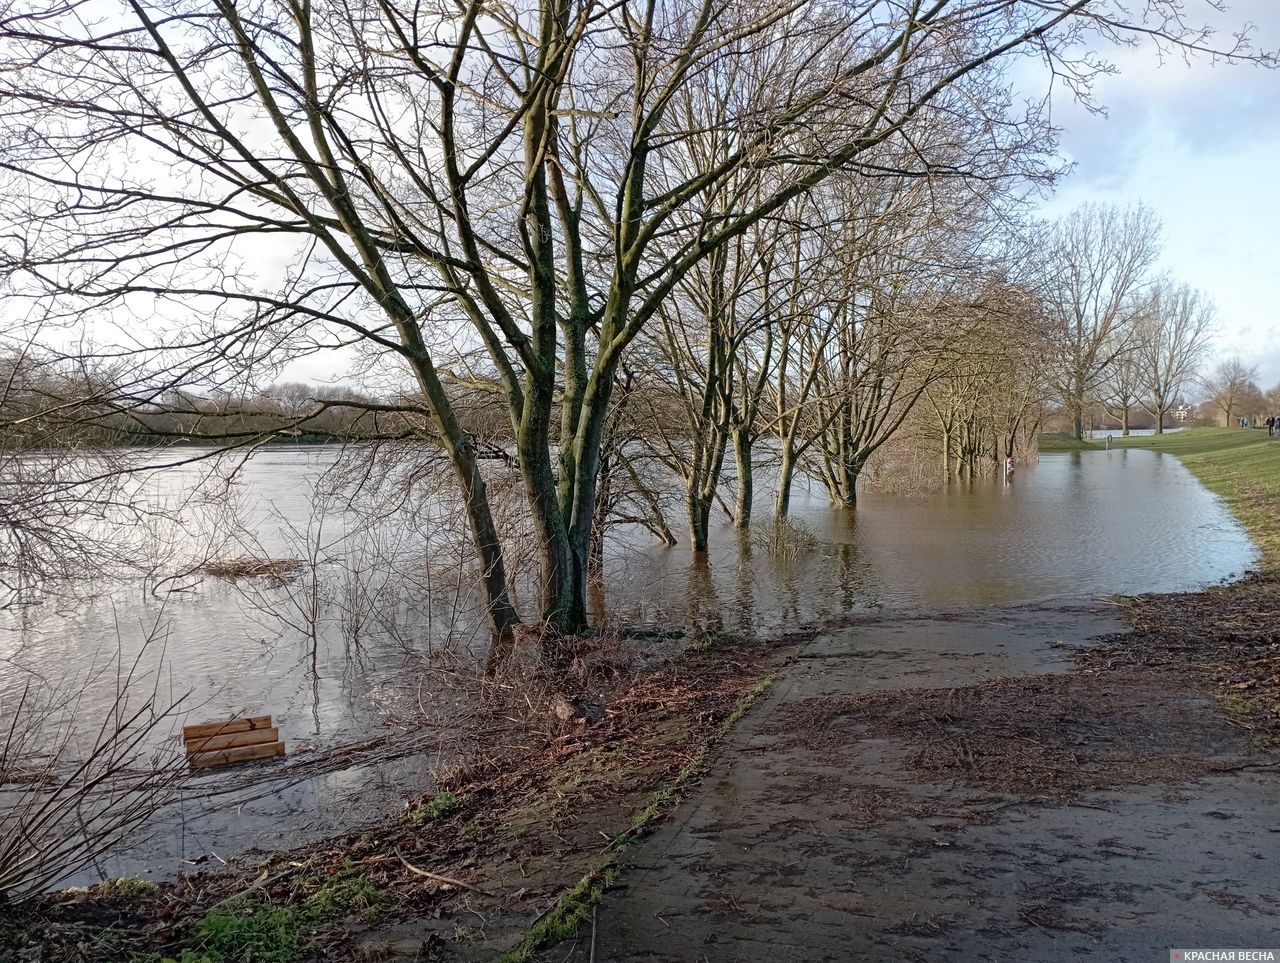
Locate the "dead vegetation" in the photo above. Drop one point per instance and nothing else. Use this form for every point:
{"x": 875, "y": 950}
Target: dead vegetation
{"x": 1229, "y": 636}
{"x": 73, "y": 788}
{"x": 279, "y": 570}
{"x": 493, "y": 847}
{"x": 1049, "y": 735}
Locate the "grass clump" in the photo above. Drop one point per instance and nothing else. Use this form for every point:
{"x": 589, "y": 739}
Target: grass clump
{"x": 440, "y": 805}
{"x": 346, "y": 896}
{"x": 571, "y": 912}
{"x": 126, "y": 886}
{"x": 265, "y": 934}
{"x": 241, "y": 932}
{"x": 250, "y": 931}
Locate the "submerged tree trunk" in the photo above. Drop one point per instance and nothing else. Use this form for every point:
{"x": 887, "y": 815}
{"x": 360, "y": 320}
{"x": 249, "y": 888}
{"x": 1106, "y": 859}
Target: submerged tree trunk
{"x": 746, "y": 479}
{"x": 699, "y": 522}
{"x": 786, "y": 477}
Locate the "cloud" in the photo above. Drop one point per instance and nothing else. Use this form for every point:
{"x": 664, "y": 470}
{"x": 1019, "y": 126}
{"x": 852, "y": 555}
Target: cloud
{"x": 1198, "y": 143}
{"x": 1203, "y": 107}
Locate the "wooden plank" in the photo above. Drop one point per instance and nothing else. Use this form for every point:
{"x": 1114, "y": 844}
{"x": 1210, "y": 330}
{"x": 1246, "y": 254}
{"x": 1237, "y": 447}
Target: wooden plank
{"x": 220, "y": 728}
{"x": 233, "y": 740}
{"x": 203, "y": 760}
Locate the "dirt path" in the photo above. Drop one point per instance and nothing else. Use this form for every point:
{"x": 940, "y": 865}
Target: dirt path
{"x": 925, "y": 789}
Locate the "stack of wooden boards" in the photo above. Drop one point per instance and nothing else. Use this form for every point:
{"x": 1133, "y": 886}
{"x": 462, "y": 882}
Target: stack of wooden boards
{"x": 236, "y": 740}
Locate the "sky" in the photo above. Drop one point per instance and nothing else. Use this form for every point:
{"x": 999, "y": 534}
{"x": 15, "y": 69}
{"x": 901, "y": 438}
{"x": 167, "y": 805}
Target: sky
{"x": 1200, "y": 145}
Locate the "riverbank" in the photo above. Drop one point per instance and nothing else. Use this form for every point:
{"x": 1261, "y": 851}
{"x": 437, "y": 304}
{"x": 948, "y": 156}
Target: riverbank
{"x": 1025, "y": 779}
{"x": 506, "y": 853}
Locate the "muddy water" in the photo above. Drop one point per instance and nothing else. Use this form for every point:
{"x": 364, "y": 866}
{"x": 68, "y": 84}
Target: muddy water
{"x": 1074, "y": 525}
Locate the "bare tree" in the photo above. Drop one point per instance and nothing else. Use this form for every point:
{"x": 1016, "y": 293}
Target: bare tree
{"x": 1172, "y": 335}
{"x": 1095, "y": 266}
{"x": 1272, "y": 399}
{"x": 235, "y": 185}
{"x": 990, "y": 399}
{"x": 1121, "y": 389}
{"x": 1233, "y": 387}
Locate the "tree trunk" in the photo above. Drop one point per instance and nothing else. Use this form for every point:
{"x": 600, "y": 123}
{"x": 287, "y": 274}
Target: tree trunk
{"x": 1075, "y": 407}
{"x": 746, "y": 479}
{"x": 849, "y": 496}
{"x": 569, "y": 611}
{"x": 503, "y": 617}
{"x": 699, "y": 520}
{"x": 556, "y": 562}
{"x": 786, "y": 475}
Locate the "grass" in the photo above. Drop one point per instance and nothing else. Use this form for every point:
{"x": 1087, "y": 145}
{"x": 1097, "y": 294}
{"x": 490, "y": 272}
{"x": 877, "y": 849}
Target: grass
{"x": 250, "y": 930}
{"x": 1240, "y": 464}
{"x": 1063, "y": 441}
{"x": 441, "y": 805}
{"x": 126, "y": 886}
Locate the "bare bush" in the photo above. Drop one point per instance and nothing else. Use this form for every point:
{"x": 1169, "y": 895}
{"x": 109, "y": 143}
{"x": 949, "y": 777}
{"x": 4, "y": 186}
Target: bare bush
{"x": 73, "y": 788}
{"x": 786, "y": 539}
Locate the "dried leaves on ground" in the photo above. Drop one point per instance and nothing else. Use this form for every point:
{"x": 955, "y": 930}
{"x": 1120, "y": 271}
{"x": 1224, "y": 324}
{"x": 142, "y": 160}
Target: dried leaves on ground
{"x": 1229, "y": 636}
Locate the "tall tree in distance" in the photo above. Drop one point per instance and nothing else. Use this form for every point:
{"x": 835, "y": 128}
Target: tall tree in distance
{"x": 1233, "y": 388}
{"x": 1094, "y": 269}
{"x": 1169, "y": 344}
{"x": 1121, "y": 389}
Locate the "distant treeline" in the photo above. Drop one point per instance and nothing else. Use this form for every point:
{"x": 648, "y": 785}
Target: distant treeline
{"x": 45, "y": 403}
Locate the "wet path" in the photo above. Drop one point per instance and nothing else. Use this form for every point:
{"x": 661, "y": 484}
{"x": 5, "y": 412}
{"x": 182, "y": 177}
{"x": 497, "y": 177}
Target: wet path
{"x": 993, "y": 804}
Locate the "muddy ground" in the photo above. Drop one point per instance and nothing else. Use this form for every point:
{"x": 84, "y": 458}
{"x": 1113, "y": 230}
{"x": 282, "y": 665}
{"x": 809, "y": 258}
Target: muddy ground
{"x": 1096, "y": 781}
{"x": 969, "y": 789}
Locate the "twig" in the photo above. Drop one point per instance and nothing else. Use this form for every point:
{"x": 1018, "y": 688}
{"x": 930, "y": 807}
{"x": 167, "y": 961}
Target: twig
{"x": 261, "y": 882}
{"x": 593, "y": 933}
{"x": 448, "y": 880}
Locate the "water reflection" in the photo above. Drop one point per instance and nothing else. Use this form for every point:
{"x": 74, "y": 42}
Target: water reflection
{"x": 1076, "y": 524}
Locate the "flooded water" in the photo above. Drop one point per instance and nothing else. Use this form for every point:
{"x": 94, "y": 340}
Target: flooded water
{"x": 1076, "y": 524}
{"x": 334, "y": 673}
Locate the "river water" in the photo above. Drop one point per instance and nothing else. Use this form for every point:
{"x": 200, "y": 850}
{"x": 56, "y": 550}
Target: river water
{"x": 1074, "y": 525}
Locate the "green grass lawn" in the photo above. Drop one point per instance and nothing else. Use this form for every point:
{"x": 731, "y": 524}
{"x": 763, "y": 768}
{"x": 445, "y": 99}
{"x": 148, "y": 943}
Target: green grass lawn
{"x": 1241, "y": 464}
{"x": 1065, "y": 441}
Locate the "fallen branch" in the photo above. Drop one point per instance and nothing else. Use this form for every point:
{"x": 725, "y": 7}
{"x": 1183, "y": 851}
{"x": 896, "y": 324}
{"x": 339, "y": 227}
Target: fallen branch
{"x": 447, "y": 880}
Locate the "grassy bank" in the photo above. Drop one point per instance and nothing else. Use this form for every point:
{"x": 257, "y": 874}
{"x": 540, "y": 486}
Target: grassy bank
{"x": 1064, "y": 441}
{"x": 1240, "y": 464}
{"x": 1225, "y": 634}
